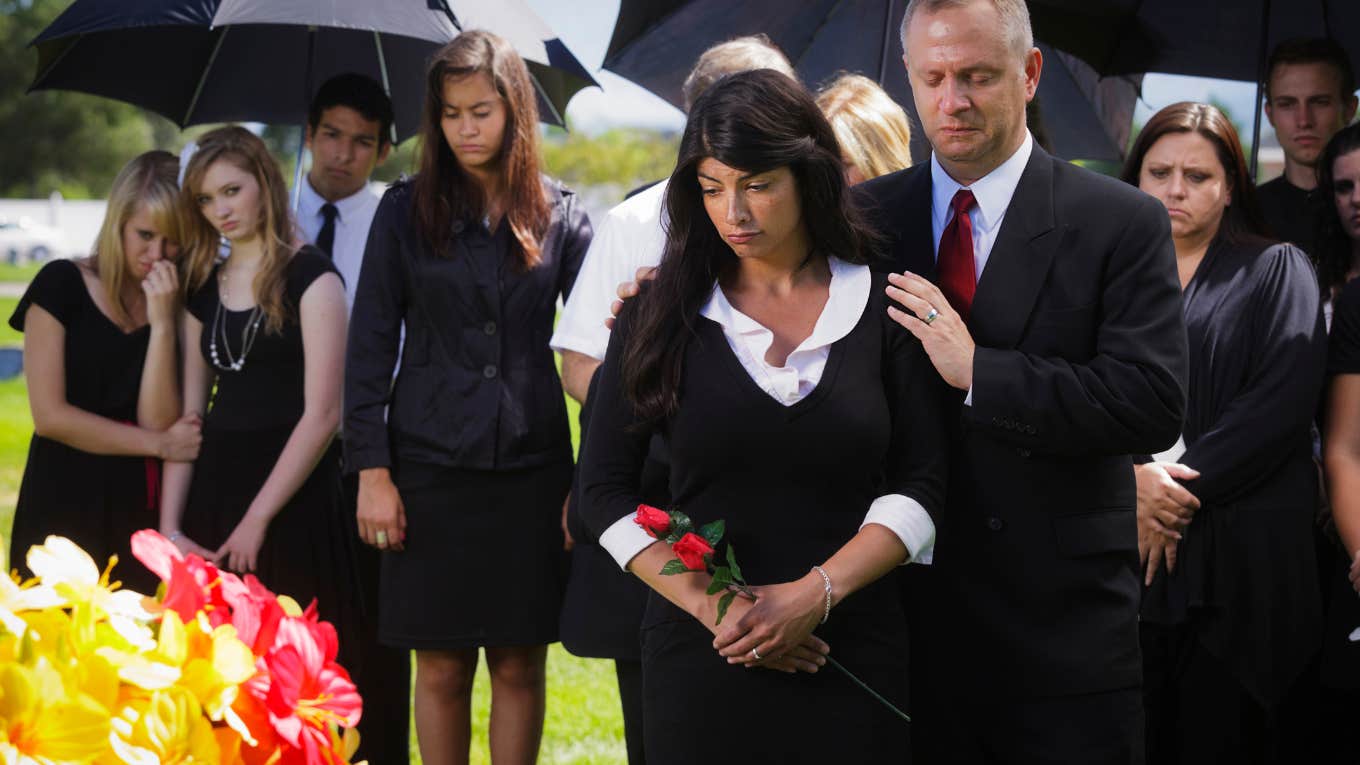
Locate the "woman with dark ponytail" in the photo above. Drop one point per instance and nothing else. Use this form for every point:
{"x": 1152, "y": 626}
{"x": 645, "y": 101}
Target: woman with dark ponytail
{"x": 794, "y": 409}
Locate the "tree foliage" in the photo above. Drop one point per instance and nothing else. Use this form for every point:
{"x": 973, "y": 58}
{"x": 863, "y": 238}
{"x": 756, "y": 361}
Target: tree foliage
{"x": 70, "y": 142}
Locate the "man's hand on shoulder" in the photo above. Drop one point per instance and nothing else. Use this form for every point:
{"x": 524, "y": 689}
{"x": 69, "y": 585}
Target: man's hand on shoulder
{"x": 628, "y": 290}
{"x": 936, "y": 324}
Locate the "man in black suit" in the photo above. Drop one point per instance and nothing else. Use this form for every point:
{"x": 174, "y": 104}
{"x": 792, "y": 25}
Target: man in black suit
{"x": 1057, "y": 317}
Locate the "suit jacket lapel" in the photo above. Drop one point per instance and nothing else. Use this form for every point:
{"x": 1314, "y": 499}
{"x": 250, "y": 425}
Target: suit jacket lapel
{"x": 1020, "y": 258}
{"x": 917, "y": 248}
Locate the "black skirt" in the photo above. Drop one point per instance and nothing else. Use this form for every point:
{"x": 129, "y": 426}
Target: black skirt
{"x": 483, "y": 563}
{"x": 309, "y": 547}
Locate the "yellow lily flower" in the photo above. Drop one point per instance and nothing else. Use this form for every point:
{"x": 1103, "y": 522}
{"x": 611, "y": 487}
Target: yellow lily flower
{"x": 43, "y": 721}
{"x": 168, "y": 728}
{"x": 72, "y": 574}
{"x": 17, "y": 597}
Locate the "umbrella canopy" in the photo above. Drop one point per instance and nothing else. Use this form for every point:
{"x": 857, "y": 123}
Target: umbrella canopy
{"x": 655, "y": 42}
{"x": 202, "y": 61}
{"x": 1204, "y": 38}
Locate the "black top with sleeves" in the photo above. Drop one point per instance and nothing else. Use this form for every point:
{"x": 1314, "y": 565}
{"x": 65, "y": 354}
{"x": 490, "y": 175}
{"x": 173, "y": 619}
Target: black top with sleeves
{"x": 792, "y": 482}
{"x": 478, "y": 385}
{"x": 1292, "y": 213}
{"x": 1245, "y": 575}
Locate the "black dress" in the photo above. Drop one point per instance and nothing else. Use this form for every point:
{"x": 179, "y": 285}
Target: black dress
{"x": 1240, "y": 618}
{"x": 1340, "y": 656}
{"x": 308, "y": 550}
{"x": 474, "y": 428}
{"x": 793, "y": 484}
{"x": 95, "y": 500}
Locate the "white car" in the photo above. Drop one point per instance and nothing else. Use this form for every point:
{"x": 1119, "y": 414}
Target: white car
{"x": 24, "y": 241}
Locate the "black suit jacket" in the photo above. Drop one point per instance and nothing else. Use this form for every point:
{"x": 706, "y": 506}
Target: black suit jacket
{"x": 1080, "y": 362}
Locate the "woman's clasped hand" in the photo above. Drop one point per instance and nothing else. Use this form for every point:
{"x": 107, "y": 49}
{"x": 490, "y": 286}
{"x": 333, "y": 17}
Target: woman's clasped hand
{"x": 775, "y": 631}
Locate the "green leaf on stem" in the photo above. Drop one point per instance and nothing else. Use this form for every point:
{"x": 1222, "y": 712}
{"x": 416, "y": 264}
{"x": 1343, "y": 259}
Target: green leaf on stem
{"x": 713, "y": 532}
{"x": 732, "y": 563}
{"x": 674, "y": 566}
{"x": 723, "y": 603}
{"x": 722, "y": 577}
{"x": 680, "y": 526}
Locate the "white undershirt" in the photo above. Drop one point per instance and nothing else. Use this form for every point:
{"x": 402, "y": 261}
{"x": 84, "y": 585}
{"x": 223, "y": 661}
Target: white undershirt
{"x": 791, "y": 383}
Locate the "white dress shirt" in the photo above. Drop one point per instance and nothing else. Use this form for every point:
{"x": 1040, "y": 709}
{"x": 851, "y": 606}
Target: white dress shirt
{"x": 630, "y": 237}
{"x": 351, "y": 230}
{"x": 993, "y": 193}
{"x": 789, "y": 384}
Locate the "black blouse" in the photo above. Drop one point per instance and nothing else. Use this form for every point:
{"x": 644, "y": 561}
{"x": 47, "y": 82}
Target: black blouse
{"x": 1245, "y": 566}
{"x": 478, "y": 385}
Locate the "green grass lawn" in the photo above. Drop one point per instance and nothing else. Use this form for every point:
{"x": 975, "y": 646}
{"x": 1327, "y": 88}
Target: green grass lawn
{"x": 22, "y": 273}
{"x": 8, "y": 336}
{"x": 583, "y": 725}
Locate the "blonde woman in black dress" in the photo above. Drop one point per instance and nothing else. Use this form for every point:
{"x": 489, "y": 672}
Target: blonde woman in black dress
{"x": 99, "y": 359}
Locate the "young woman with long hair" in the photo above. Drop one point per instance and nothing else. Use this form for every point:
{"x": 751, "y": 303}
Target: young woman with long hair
{"x": 99, "y": 358}
{"x": 465, "y": 460}
{"x": 264, "y": 340}
{"x": 795, "y": 409}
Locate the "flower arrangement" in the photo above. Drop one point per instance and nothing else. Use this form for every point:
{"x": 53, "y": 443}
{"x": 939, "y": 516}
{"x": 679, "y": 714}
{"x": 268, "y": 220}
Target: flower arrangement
{"x": 216, "y": 669}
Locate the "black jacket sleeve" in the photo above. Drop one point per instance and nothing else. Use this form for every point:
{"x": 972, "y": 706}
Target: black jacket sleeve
{"x": 615, "y": 444}
{"x": 576, "y": 237}
{"x": 1261, "y": 426}
{"x": 923, "y": 406}
{"x": 375, "y": 337}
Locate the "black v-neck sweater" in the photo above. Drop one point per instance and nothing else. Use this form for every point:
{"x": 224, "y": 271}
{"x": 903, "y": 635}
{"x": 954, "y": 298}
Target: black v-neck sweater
{"x": 792, "y": 482}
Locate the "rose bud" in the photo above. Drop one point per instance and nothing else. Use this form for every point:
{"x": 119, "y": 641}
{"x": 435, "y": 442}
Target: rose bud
{"x": 691, "y": 549}
{"x": 655, "y": 522}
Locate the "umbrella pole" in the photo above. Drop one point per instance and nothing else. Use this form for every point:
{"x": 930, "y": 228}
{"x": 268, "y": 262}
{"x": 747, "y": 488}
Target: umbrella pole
{"x": 887, "y": 43}
{"x": 1262, "y": 73}
{"x": 302, "y": 129}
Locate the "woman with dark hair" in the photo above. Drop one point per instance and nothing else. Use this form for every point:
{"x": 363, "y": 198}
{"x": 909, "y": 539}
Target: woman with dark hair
{"x": 99, "y": 359}
{"x": 1338, "y": 240}
{"x": 794, "y": 409}
{"x": 1338, "y": 265}
{"x": 465, "y": 460}
{"x": 1230, "y": 615}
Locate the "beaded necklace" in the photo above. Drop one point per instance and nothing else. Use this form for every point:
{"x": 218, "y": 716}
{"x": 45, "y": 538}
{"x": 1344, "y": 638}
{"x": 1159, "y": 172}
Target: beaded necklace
{"x": 219, "y": 330}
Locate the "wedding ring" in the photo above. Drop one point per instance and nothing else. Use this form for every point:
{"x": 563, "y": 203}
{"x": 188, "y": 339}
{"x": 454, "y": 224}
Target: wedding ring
{"x": 755, "y": 654}
{"x": 381, "y": 538}
{"x": 931, "y": 316}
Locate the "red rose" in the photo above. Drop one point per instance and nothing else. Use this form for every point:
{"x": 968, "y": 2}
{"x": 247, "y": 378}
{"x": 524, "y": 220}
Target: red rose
{"x": 655, "y": 522}
{"x": 691, "y": 550}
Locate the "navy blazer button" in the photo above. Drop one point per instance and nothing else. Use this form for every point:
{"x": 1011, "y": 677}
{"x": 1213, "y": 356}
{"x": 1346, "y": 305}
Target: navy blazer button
{"x": 489, "y": 328}
{"x": 456, "y": 227}
{"x": 995, "y": 524}
{"x": 489, "y": 371}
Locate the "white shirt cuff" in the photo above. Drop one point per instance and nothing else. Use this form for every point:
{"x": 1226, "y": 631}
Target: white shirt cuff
{"x": 625, "y": 539}
{"x": 968, "y": 400}
{"x": 589, "y": 345}
{"x": 906, "y": 518}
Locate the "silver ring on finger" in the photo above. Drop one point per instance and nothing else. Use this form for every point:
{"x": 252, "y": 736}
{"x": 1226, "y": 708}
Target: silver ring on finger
{"x": 756, "y": 654}
{"x": 931, "y": 315}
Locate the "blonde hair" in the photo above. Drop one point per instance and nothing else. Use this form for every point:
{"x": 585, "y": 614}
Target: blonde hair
{"x": 248, "y": 153}
{"x": 740, "y": 54}
{"x": 872, "y": 129}
{"x": 145, "y": 183}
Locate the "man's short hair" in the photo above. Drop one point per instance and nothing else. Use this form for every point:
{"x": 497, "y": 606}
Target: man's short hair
{"x": 359, "y": 93}
{"x": 740, "y": 54}
{"x": 1014, "y": 20}
{"x": 1314, "y": 50}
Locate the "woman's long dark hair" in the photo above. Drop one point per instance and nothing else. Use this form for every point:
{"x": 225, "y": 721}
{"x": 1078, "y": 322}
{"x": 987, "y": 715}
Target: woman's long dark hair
{"x": 754, "y": 121}
{"x": 444, "y": 191}
{"x": 1334, "y": 249}
{"x": 1242, "y": 220}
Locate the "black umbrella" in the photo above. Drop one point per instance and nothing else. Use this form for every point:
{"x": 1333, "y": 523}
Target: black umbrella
{"x": 655, "y": 42}
{"x": 1205, "y": 38}
{"x": 202, "y": 61}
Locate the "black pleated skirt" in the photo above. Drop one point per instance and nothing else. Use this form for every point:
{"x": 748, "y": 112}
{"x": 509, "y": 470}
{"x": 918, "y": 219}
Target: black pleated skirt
{"x": 483, "y": 563}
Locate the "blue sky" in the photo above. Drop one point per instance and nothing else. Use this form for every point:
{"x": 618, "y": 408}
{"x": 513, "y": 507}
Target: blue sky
{"x": 585, "y": 26}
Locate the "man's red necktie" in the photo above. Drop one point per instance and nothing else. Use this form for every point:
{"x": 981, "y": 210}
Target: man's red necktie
{"x": 958, "y": 275}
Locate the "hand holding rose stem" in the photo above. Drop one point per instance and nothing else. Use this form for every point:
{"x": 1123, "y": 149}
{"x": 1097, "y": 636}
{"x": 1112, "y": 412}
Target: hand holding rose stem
{"x": 695, "y": 553}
